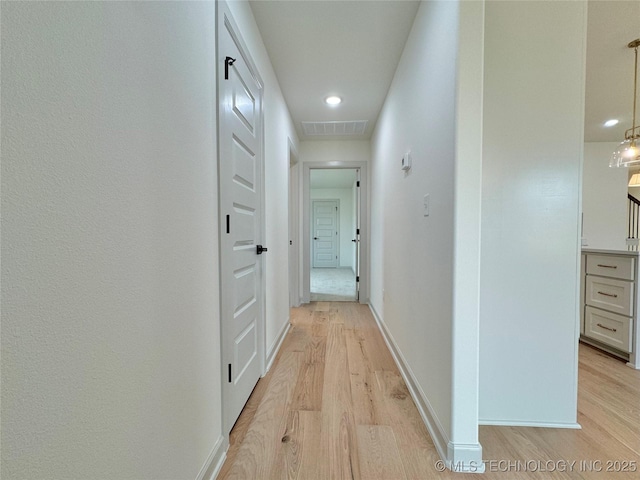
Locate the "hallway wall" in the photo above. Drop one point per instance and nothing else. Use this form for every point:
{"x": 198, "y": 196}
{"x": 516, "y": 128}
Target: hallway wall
{"x": 335, "y": 151}
{"x": 412, "y": 255}
{"x": 110, "y": 323}
{"x": 531, "y": 197}
{"x": 110, "y": 288}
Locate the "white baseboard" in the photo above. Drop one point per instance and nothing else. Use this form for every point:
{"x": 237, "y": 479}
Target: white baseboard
{"x": 465, "y": 458}
{"x": 273, "y": 351}
{"x": 517, "y": 423}
{"x": 457, "y": 457}
{"x": 212, "y": 466}
{"x": 438, "y": 435}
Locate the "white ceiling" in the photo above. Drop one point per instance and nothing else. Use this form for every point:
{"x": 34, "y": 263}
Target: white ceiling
{"x": 345, "y": 48}
{"x": 609, "y": 89}
{"x": 352, "y": 48}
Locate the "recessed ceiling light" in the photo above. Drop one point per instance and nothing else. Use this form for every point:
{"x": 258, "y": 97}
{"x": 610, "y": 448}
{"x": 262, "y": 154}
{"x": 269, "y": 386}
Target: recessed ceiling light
{"x": 611, "y": 123}
{"x": 333, "y": 100}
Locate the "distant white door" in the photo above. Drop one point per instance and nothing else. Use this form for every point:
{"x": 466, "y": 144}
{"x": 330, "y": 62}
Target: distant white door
{"x": 241, "y": 212}
{"x": 326, "y": 233}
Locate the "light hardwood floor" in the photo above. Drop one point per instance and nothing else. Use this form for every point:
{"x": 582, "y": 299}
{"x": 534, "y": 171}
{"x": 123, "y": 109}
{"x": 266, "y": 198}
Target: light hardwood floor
{"x": 334, "y": 406}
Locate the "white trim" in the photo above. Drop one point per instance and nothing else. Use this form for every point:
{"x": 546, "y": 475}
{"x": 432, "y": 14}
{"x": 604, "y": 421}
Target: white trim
{"x": 458, "y": 457}
{"x": 430, "y": 419}
{"x": 465, "y": 449}
{"x": 216, "y": 458}
{"x": 275, "y": 347}
{"x": 364, "y": 225}
{"x": 518, "y": 423}
{"x": 294, "y": 229}
{"x": 465, "y": 458}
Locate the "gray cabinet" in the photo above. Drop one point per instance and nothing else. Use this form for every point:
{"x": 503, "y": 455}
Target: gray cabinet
{"x": 609, "y": 296}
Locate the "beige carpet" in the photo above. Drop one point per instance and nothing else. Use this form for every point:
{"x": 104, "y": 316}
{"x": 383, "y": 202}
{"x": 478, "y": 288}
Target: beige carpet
{"x": 333, "y": 285}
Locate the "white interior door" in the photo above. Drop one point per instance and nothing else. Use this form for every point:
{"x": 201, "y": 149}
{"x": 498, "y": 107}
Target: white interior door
{"x": 241, "y": 213}
{"x": 325, "y": 233}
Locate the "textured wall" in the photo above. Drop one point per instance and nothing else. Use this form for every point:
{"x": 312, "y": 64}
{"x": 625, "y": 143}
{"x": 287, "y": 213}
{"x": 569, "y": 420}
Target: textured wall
{"x": 110, "y": 357}
{"x": 531, "y": 211}
{"x": 412, "y": 255}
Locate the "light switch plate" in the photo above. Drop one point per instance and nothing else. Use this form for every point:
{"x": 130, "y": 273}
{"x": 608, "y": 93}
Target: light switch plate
{"x": 406, "y": 161}
{"x": 426, "y": 205}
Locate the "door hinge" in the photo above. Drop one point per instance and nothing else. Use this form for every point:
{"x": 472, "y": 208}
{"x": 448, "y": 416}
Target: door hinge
{"x": 227, "y": 63}
{"x": 358, "y": 183}
{"x": 229, "y": 373}
{"x": 357, "y": 231}
{"x": 336, "y": 209}
{"x": 357, "y": 279}
{"x": 228, "y": 223}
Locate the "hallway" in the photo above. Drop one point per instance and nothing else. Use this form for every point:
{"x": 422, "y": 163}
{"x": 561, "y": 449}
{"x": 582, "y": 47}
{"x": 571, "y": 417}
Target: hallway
{"x": 334, "y": 406}
{"x": 347, "y": 414}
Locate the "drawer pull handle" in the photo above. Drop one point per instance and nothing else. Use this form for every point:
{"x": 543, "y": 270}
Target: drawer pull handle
{"x": 607, "y": 328}
{"x": 607, "y": 266}
{"x": 608, "y": 294}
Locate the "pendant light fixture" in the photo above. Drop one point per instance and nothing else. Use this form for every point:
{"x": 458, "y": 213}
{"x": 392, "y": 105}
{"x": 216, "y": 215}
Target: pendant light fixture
{"x": 628, "y": 152}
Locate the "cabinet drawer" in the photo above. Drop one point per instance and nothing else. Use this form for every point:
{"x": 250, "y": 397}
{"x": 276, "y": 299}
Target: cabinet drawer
{"x": 610, "y": 294}
{"x": 611, "y": 266}
{"x": 609, "y": 328}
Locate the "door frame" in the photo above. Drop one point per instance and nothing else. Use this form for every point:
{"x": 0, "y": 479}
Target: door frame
{"x": 338, "y": 232}
{"x": 294, "y": 227}
{"x": 225, "y": 22}
{"x": 364, "y": 224}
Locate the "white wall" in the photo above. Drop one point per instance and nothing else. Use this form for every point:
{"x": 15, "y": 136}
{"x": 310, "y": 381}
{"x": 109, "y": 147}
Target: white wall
{"x": 346, "y": 220}
{"x": 533, "y": 144}
{"x": 412, "y": 255}
{"x": 335, "y": 151}
{"x": 464, "y": 445}
{"x": 278, "y": 130}
{"x": 604, "y": 198}
{"x": 110, "y": 328}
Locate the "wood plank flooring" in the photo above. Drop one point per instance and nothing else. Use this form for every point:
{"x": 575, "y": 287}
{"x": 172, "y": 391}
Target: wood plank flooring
{"x": 334, "y": 406}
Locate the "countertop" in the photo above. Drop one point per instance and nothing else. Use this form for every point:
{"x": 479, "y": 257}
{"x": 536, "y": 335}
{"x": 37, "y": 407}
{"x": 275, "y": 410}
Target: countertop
{"x": 611, "y": 252}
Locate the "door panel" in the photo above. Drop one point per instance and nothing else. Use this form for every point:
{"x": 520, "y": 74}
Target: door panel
{"x": 240, "y": 185}
{"x": 325, "y": 233}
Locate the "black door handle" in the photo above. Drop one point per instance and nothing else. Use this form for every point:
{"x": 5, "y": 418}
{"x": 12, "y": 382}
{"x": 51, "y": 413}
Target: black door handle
{"x": 353, "y": 240}
{"x": 260, "y": 249}
{"x": 315, "y": 238}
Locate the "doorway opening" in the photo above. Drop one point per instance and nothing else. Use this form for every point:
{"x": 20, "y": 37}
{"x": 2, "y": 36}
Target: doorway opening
{"x": 334, "y": 236}
{"x": 361, "y": 234}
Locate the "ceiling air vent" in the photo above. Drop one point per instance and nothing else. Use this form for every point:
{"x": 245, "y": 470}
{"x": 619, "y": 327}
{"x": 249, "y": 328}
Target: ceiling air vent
{"x": 356, "y": 127}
